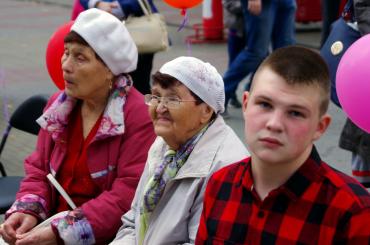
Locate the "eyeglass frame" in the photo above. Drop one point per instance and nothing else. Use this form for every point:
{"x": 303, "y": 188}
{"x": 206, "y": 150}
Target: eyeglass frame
{"x": 165, "y": 101}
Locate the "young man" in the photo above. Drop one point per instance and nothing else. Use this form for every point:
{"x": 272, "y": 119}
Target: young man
{"x": 284, "y": 193}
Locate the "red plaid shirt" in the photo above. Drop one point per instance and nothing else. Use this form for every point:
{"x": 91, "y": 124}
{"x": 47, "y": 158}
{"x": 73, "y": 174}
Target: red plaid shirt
{"x": 317, "y": 205}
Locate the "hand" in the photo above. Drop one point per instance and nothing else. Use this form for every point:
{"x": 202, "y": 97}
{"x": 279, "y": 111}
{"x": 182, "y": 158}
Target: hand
{"x": 255, "y": 7}
{"x": 39, "y": 236}
{"x": 17, "y": 223}
{"x": 107, "y": 6}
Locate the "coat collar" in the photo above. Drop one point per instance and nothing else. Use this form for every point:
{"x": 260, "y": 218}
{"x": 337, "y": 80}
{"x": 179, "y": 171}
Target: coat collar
{"x": 55, "y": 118}
{"x": 200, "y": 160}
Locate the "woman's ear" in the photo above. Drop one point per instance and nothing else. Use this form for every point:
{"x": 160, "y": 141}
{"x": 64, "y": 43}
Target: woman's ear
{"x": 110, "y": 75}
{"x": 207, "y": 113}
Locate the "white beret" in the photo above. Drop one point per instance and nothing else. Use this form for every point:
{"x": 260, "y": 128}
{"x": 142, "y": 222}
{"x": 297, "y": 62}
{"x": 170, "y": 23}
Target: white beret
{"x": 109, "y": 38}
{"x": 200, "y": 77}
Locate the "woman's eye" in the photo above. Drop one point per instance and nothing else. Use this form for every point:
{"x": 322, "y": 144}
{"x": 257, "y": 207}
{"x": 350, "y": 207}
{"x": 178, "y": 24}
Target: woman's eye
{"x": 172, "y": 99}
{"x": 155, "y": 98}
{"x": 80, "y": 58}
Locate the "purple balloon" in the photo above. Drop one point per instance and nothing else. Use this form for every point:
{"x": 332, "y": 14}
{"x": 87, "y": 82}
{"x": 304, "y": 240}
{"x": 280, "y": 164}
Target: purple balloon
{"x": 353, "y": 82}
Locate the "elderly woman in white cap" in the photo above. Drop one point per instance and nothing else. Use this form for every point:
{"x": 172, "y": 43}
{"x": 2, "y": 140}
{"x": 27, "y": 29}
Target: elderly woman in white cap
{"x": 94, "y": 138}
{"x": 193, "y": 141}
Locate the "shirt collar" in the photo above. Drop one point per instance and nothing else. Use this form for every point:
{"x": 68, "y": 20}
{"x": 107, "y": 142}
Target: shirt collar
{"x": 297, "y": 184}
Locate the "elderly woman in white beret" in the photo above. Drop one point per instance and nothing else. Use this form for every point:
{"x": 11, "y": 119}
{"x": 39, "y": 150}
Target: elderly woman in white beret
{"x": 193, "y": 141}
{"x": 94, "y": 138}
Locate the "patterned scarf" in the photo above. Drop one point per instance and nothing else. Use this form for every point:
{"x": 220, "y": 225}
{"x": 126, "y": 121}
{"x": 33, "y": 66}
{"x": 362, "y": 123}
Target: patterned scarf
{"x": 55, "y": 118}
{"x": 166, "y": 171}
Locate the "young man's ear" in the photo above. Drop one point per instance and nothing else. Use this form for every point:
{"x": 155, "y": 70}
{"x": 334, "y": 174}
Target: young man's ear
{"x": 245, "y": 100}
{"x": 322, "y": 126}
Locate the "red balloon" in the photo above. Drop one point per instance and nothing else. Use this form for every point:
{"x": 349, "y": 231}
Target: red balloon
{"x": 54, "y": 53}
{"x": 183, "y": 4}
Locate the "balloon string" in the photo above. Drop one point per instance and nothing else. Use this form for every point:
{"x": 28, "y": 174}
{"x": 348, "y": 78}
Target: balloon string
{"x": 188, "y": 47}
{"x": 5, "y": 99}
{"x": 185, "y": 20}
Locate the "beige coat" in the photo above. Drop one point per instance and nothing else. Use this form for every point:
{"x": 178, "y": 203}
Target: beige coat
{"x": 176, "y": 217}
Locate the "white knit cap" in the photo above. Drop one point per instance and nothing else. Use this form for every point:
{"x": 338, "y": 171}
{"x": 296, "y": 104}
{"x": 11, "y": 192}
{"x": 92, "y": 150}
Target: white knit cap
{"x": 201, "y": 78}
{"x": 109, "y": 38}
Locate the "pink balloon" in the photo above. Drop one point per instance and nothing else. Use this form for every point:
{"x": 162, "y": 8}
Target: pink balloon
{"x": 353, "y": 82}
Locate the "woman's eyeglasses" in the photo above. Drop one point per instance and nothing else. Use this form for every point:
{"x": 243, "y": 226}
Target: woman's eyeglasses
{"x": 168, "y": 102}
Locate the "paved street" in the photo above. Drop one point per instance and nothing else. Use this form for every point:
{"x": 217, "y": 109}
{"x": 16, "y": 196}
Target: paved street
{"x": 26, "y": 27}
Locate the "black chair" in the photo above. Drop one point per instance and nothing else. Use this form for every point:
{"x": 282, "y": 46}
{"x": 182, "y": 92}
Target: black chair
{"x": 22, "y": 119}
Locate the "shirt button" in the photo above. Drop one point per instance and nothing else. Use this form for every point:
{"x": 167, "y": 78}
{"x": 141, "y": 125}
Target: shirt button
{"x": 260, "y": 214}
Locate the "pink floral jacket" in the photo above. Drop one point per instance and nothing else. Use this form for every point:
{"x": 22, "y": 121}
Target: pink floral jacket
{"x": 116, "y": 158}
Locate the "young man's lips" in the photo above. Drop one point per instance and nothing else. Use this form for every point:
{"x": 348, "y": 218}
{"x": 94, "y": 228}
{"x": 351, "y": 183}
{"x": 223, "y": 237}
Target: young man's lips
{"x": 271, "y": 141}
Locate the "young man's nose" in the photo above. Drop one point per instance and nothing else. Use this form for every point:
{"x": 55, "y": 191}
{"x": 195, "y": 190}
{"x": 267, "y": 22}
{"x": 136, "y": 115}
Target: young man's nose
{"x": 275, "y": 121}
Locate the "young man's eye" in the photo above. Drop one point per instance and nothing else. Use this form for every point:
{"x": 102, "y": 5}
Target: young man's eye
{"x": 296, "y": 114}
{"x": 264, "y": 105}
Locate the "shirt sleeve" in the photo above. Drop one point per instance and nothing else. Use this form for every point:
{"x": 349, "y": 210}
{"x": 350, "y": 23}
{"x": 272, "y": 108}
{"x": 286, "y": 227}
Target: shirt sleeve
{"x": 30, "y": 204}
{"x": 202, "y": 234}
{"x": 74, "y": 228}
{"x": 358, "y": 228}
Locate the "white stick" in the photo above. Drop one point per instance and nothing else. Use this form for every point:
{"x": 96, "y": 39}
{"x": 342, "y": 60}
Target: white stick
{"x": 61, "y": 190}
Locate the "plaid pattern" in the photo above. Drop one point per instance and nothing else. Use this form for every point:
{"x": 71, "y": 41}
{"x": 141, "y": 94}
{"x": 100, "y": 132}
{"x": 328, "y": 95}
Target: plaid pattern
{"x": 317, "y": 205}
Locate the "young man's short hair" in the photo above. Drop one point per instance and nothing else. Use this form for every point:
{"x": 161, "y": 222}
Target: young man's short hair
{"x": 301, "y": 66}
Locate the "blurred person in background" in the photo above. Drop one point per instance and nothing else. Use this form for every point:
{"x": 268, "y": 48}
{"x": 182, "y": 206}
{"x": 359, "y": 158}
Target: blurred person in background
{"x": 267, "y": 22}
{"x": 329, "y": 13}
{"x": 352, "y": 138}
{"x": 233, "y": 18}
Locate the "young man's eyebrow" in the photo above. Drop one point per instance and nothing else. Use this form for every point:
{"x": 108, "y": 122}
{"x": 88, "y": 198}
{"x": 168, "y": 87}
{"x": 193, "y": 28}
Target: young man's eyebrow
{"x": 299, "y": 107}
{"x": 263, "y": 97}
{"x": 292, "y": 106}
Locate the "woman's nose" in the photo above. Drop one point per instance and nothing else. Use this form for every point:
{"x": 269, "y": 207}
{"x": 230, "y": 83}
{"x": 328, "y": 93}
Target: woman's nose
{"x": 161, "y": 107}
{"x": 66, "y": 64}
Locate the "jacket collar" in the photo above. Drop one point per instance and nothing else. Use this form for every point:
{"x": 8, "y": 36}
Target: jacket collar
{"x": 200, "y": 160}
{"x": 55, "y": 118}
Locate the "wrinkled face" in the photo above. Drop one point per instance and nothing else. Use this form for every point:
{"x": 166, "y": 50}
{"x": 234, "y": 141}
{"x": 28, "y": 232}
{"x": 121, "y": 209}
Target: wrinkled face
{"x": 281, "y": 120}
{"x": 86, "y": 77}
{"x": 177, "y": 125}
